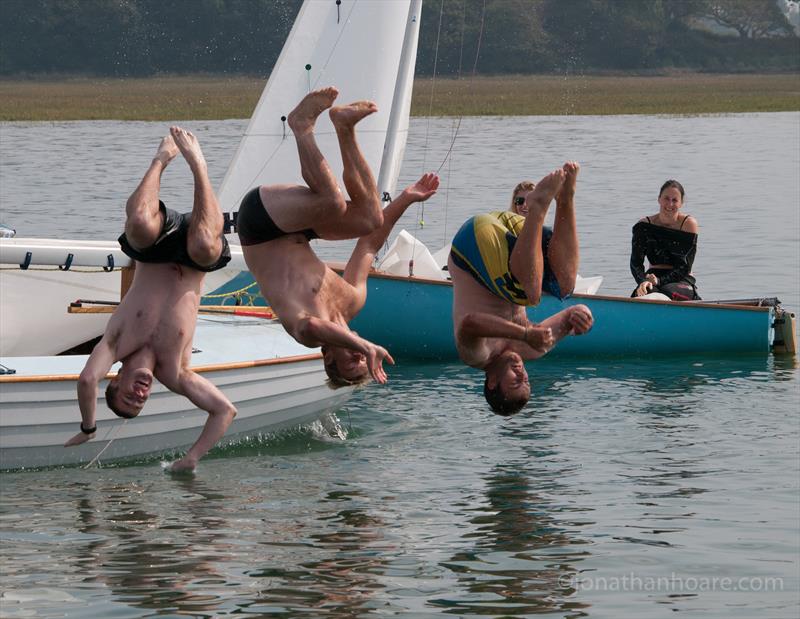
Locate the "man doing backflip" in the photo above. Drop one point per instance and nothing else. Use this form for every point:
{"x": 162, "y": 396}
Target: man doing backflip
{"x": 151, "y": 330}
{"x": 500, "y": 262}
{"x": 276, "y": 222}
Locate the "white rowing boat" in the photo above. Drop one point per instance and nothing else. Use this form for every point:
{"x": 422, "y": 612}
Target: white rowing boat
{"x": 273, "y": 381}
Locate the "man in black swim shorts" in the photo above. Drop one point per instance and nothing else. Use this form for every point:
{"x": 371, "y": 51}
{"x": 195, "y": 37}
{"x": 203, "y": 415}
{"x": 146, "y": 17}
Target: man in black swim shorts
{"x": 275, "y": 223}
{"x": 151, "y": 330}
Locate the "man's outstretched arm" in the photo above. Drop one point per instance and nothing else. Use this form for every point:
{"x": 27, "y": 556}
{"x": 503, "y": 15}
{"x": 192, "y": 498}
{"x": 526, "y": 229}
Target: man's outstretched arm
{"x": 206, "y": 396}
{"x": 357, "y": 269}
{"x": 95, "y": 370}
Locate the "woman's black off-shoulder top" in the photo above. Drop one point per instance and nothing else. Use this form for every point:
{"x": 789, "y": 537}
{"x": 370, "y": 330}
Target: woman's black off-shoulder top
{"x": 662, "y": 246}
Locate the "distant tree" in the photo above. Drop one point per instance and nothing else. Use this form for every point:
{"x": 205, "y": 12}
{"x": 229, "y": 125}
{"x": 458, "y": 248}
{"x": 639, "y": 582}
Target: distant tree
{"x": 682, "y": 11}
{"x": 623, "y": 34}
{"x": 514, "y": 40}
{"x": 752, "y": 19}
{"x": 448, "y": 38}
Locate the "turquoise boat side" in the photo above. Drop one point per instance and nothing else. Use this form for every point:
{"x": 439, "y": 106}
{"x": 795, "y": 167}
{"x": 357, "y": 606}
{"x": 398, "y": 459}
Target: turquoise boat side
{"x": 413, "y": 320}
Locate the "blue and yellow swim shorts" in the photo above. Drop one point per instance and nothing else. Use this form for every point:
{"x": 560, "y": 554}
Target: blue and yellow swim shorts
{"x": 483, "y": 246}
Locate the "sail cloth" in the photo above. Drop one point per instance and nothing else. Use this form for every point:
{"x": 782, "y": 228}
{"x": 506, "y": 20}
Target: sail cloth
{"x": 366, "y": 49}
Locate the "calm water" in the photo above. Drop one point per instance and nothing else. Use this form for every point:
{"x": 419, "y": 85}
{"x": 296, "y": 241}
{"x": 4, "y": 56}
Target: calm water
{"x": 626, "y": 489}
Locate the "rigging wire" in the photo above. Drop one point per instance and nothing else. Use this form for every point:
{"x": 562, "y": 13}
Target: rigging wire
{"x": 420, "y": 208}
{"x": 448, "y": 155}
{"x": 472, "y": 77}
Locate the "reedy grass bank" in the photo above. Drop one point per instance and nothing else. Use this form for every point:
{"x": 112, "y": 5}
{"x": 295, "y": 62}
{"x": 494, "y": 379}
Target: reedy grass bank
{"x": 177, "y": 98}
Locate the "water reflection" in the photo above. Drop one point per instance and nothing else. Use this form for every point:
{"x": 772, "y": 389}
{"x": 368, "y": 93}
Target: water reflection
{"x": 523, "y": 555}
{"x": 148, "y": 559}
{"x": 346, "y": 551}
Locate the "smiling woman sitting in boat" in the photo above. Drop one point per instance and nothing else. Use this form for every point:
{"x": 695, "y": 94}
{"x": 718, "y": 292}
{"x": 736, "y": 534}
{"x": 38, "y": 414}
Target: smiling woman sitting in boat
{"x": 518, "y": 204}
{"x": 669, "y": 241}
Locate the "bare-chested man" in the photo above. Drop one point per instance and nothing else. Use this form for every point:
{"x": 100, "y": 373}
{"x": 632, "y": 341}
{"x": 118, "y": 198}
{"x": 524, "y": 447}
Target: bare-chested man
{"x": 276, "y": 222}
{"x": 152, "y": 329}
{"x": 500, "y": 262}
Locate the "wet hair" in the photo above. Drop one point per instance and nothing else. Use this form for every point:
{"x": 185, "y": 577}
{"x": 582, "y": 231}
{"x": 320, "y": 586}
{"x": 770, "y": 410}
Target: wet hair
{"x": 335, "y": 378}
{"x": 523, "y": 186}
{"x": 111, "y": 396}
{"x": 672, "y": 183}
{"x": 499, "y": 403}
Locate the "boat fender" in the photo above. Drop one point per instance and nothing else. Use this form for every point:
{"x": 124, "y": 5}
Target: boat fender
{"x": 67, "y": 264}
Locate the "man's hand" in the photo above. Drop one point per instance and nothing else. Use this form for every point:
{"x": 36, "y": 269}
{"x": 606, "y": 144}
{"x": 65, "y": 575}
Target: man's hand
{"x": 79, "y": 438}
{"x": 644, "y": 288}
{"x": 375, "y": 356}
{"x": 184, "y": 465}
{"x": 423, "y": 189}
{"x": 539, "y": 338}
{"x": 580, "y": 319}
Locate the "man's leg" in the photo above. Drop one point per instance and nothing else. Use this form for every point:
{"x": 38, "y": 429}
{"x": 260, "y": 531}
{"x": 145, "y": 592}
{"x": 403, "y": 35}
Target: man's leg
{"x": 527, "y": 261}
{"x": 294, "y": 207}
{"x": 564, "y": 251}
{"x": 143, "y": 221}
{"x": 204, "y": 243}
{"x": 364, "y": 213}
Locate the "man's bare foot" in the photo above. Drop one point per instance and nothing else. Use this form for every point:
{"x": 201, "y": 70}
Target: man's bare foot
{"x": 303, "y": 117}
{"x": 538, "y": 200}
{"x": 571, "y": 169}
{"x": 344, "y": 116}
{"x": 167, "y": 150}
{"x": 189, "y": 147}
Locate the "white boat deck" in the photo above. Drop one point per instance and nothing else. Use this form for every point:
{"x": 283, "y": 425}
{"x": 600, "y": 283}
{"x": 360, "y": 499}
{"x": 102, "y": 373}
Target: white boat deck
{"x": 215, "y": 342}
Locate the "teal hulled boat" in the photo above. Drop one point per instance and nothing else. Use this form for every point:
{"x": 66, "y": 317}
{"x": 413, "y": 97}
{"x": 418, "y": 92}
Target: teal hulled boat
{"x": 412, "y": 318}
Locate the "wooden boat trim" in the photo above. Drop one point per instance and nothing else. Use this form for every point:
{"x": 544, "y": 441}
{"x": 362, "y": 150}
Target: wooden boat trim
{"x": 214, "y": 367}
{"x": 338, "y": 266}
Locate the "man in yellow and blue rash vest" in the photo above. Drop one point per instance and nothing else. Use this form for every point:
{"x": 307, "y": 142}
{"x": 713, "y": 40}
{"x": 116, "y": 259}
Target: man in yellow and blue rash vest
{"x": 500, "y": 262}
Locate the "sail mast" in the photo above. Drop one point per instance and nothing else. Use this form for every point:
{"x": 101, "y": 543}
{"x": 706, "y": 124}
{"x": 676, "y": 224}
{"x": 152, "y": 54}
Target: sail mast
{"x": 395, "y": 144}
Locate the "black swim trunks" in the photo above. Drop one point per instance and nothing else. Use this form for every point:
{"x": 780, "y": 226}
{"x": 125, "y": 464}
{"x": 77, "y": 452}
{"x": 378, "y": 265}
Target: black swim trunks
{"x": 171, "y": 244}
{"x": 255, "y": 226}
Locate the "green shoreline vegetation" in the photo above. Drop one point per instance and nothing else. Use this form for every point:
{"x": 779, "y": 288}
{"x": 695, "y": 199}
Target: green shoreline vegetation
{"x": 211, "y": 97}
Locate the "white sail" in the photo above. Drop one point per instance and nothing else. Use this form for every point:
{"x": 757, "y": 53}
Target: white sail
{"x": 367, "y": 49}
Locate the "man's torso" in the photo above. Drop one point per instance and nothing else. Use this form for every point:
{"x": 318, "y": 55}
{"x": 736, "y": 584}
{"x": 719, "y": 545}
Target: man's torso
{"x": 470, "y": 297}
{"x": 158, "y": 312}
{"x": 296, "y": 283}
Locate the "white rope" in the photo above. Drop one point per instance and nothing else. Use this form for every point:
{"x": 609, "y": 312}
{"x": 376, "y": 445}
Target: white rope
{"x": 111, "y": 440}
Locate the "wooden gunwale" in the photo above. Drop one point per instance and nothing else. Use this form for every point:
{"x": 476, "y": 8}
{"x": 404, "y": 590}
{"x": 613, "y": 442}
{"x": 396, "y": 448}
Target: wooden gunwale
{"x": 411, "y": 279}
{"x": 214, "y": 367}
